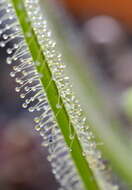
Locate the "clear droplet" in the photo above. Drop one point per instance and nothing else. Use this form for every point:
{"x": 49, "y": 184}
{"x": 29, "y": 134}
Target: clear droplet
{"x": 16, "y": 46}
{"x": 24, "y": 73}
{"x": 37, "y": 119}
{"x": 37, "y": 128}
{"x": 9, "y": 60}
{"x": 27, "y": 88}
{"x": 31, "y": 109}
{"x": 5, "y": 36}
{"x": 42, "y": 134}
{"x": 17, "y": 89}
{"x": 18, "y": 80}
{"x": 27, "y": 101}
{"x": 12, "y": 74}
{"x": 9, "y": 51}
{"x": 22, "y": 95}
{"x": 24, "y": 105}
{"x": 2, "y": 44}
{"x": 45, "y": 144}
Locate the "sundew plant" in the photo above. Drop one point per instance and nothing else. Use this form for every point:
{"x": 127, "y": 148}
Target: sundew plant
{"x": 70, "y": 130}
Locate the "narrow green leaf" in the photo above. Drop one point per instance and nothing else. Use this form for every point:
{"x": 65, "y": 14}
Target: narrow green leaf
{"x": 49, "y": 85}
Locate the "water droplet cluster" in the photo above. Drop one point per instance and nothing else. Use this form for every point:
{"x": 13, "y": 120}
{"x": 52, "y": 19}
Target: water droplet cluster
{"x": 35, "y": 100}
{"x": 30, "y": 89}
{"x": 57, "y": 67}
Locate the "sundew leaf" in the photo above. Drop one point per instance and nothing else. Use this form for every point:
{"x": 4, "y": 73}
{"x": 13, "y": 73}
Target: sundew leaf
{"x": 39, "y": 71}
{"x": 107, "y": 129}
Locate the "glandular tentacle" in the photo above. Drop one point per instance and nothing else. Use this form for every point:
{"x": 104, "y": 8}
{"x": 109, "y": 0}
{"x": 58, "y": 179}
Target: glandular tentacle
{"x": 31, "y": 89}
{"x": 57, "y": 68}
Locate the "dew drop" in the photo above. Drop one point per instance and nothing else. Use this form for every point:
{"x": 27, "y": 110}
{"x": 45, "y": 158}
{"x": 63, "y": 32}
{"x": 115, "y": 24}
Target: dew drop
{"x": 5, "y": 36}
{"x": 18, "y": 80}
{"x": 21, "y": 82}
{"x": 27, "y": 101}
{"x": 38, "y": 109}
{"x": 31, "y": 109}
{"x": 37, "y": 128}
{"x": 12, "y": 74}
{"x": 15, "y": 68}
{"x": 16, "y": 46}
{"x": 15, "y": 58}
{"x": 2, "y": 44}
{"x": 9, "y": 51}
{"x": 10, "y": 17}
{"x": 32, "y": 99}
{"x": 33, "y": 89}
{"x": 22, "y": 95}
{"x": 24, "y": 105}
{"x": 37, "y": 119}
{"x": 42, "y": 134}
{"x": 24, "y": 73}
{"x": 7, "y": 26}
{"x": 45, "y": 144}
{"x": 27, "y": 88}
{"x": 18, "y": 69}
{"x": 30, "y": 81}
{"x": 17, "y": 89}
{"x": 49, "y": 34}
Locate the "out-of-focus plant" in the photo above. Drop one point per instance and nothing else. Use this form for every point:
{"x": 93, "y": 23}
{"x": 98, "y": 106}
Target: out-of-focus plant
{"x": 127, "y": 103}
{"x": 40, "y": 72}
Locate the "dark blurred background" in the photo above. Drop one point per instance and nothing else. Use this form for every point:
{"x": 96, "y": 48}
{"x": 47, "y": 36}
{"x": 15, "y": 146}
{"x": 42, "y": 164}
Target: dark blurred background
{"x": 107, "y": 29}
